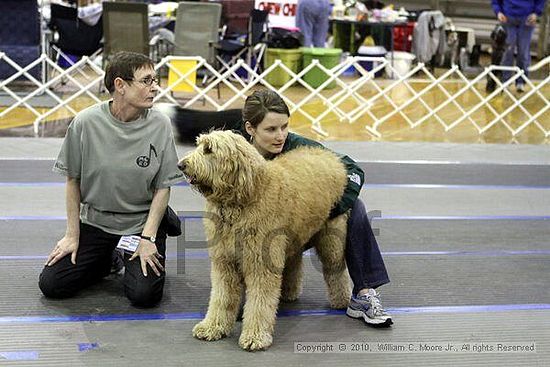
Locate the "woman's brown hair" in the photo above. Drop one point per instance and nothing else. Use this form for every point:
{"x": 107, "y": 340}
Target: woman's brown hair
{"x": 259, "y": 103}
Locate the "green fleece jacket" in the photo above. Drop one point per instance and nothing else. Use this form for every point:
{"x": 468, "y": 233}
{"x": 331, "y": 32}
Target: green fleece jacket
{"x": 356, "y": 176}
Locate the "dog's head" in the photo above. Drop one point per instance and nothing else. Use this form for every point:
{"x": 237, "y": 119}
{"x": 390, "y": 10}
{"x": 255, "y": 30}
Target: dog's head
{"x": 223, "y": 167}
{"x": 498, "y": 35}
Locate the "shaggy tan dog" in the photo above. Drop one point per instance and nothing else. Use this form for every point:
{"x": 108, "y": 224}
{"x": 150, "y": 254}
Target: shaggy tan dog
{"x": 261, "y": 216}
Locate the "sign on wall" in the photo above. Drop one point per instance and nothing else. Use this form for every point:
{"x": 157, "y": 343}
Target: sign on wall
{"x": 282, "y": 13}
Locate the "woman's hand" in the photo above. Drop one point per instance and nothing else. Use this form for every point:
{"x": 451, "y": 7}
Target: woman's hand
{"x": 148, "y": 254}
{"x": 532, "y": 19}
{"x": 66, "y": 245}
{"x": 502, "y": 18}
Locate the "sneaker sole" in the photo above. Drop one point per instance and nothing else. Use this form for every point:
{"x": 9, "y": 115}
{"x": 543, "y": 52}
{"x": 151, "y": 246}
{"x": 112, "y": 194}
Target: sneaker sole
{"x": 355, "y": 314}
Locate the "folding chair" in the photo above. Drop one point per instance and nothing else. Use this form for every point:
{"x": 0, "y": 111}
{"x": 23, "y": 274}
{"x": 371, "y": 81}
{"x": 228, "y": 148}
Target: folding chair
{"x": 235, "y": 15}
{"x": 197, "y": 32}
{"x": 71, "y": 36}
{"x": 197, "y": 29}
{"x": 252, "y": 47}
{"x": 125, "y": 28}
{"x": 20, "y": 36}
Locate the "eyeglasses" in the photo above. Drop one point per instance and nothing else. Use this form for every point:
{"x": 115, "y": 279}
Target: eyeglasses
{"x": 147, "y": 81}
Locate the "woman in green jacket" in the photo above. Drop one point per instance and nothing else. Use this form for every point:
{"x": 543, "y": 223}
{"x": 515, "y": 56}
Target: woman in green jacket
{"x": 265, "y": 117}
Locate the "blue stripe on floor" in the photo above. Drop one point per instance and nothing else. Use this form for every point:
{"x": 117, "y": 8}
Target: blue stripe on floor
{"x": 366, "y": 186}
{"x": 492, "y": 253}
{"x": 385, "y": 217}
{"x": 434, "y": 217}
{"x": 467, "y": 309}
{"x": 203, "y": 254}
{"x": 31, "y": 184}
{"x": 282, "y": 313}
{"x": 100, "y": 318}
{"x": 459, "y": 187}
{"x": 33, "y": 217}
{"x": 428, "y": 309}
{"x": 50, "y": 184}
{"x": 463, "y": 217}
{"x": 21, "y": 355}
{"x": 385, "y": 161}
{"x": 83, "y": 347}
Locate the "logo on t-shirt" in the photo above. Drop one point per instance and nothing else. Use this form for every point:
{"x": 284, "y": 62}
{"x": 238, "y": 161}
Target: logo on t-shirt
{"x": 60, "y": 166}
{"x": 143, "y": 161}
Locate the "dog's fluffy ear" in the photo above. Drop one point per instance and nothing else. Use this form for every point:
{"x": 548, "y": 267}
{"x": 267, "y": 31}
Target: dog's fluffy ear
{"x": 207, "y": 146}
{"x": 199, "y": 139}
{"x": 204, "y": 141}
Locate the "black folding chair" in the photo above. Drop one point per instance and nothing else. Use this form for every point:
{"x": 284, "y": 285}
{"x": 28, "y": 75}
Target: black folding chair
{"x": 250, "y": 46}
{"x": 71, "y": 36}
{"x": 19, "y": 37}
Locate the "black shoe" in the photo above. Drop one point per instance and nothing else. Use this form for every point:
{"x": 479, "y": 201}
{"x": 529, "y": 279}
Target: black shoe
{"x": 491, "y": 86}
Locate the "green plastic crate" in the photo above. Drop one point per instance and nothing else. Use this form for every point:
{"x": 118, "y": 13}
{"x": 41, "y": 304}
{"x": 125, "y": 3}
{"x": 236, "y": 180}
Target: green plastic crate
{"x": 328, "y": 57}
{"x": 292, "y": 58}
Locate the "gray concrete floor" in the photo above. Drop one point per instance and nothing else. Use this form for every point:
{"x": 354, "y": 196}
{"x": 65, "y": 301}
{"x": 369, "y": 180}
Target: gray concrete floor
{"x": 464, "y": 230}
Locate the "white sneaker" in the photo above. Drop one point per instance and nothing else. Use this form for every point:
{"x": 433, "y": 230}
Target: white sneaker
{"x": 520, "y": 88}
{"x": 369, "y": 308}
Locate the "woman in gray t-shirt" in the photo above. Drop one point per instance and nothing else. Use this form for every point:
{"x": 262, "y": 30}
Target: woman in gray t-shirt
{"x": 120, "y": 160}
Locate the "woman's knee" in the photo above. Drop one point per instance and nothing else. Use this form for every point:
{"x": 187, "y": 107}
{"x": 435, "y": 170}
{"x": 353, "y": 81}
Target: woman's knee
{"x": 51, "y": 286}
{"x": 144, "y": 298}
{"x": 146, "y": 294}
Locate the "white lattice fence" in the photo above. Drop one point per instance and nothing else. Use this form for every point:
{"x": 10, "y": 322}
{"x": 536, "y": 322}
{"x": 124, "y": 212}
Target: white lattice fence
{"x": 82, "y": 84}
{"x": 415, "y": 99}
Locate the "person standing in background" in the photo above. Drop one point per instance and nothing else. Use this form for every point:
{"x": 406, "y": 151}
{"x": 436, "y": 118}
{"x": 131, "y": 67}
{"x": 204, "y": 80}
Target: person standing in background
{"x": 312, "y": 19}
{"x": 519, "y": 17}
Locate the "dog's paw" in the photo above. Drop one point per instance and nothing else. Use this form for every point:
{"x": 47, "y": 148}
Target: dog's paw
{"x": 287, "y": 298}
{"x": 255, "y": 341}
{"x": 339, "y": 304}
{"x": 339, "y": 297}
{"x": 207, "y": 331}
{"x": 290, "y": 294}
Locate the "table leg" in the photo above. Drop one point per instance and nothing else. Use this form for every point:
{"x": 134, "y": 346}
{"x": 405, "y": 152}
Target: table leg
{"x": 335, "y": 35}
{"x": 391, "y": 44}
{"x": 352, "y": 40}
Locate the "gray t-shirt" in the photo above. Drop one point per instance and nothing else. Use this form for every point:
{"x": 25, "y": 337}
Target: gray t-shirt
{"x": 120, "y": 165}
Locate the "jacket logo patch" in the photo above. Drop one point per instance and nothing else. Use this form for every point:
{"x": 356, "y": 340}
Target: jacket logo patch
{"x": 143, "y": 161}
{"x": 354, "y": 177}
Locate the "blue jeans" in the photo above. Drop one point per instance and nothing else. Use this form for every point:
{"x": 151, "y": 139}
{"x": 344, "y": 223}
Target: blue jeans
{"x": 312, "y": 19}
{"x": 518, "y": 36}
{"x": 363, "y": 258}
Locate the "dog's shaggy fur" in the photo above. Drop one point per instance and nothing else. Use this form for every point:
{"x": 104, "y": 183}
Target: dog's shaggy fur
{"x": 260, "y": 217}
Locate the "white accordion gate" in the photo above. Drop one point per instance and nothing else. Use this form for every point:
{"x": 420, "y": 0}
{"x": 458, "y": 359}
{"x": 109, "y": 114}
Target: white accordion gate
{"x": 364, "y": 99}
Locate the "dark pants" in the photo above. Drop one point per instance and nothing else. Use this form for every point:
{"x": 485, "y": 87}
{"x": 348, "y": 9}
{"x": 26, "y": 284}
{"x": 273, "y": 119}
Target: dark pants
{"x": 364, "y": 260}
{"x": 312, "y": 19}
{"x": 93, "y": 263}
{"x": 518, "y": 37}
